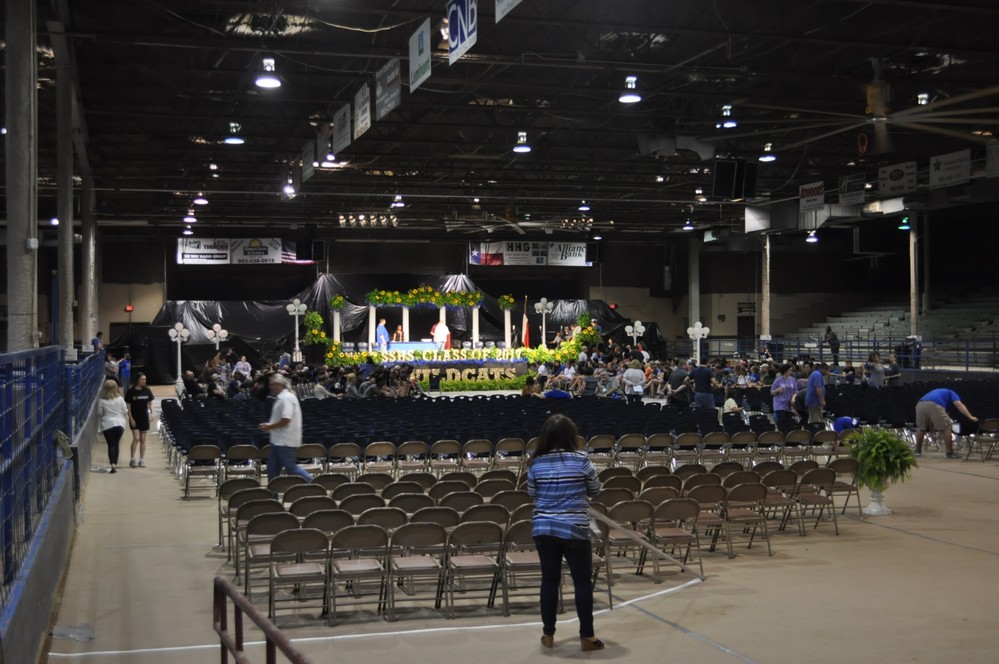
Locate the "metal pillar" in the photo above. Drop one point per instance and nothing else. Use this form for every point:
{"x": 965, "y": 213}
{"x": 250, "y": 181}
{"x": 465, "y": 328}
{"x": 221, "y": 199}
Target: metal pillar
{"x": 913, "y": 280}
{"x": 64, "y": 195}
{"x": 925, "y": 219}
{"x": 88, "y": 257}
{"x": 22, "y": 173}
{"x": 765, "y": 290}
{"x": 694, "y": 278}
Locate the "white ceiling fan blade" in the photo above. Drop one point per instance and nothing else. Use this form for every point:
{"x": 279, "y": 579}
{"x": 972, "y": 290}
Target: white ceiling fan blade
{"x": 945, "y": 132}
{"x": 819, "y": 137}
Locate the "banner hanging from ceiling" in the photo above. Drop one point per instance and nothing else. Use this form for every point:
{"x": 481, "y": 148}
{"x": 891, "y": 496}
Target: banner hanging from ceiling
{"x": 341, "y": 128}
{"x": 419, "y": 56}
{"x": 463, "y": 28}
{"x": 558, "y": 254}
{"x": 236, "y": 251}
{"x": 950, "y": 169}
{"x": 896, "y": 179}
{"x": 362, "y": 111}
{"x": 388, "y": 89}
{"x": 504, "y": 7}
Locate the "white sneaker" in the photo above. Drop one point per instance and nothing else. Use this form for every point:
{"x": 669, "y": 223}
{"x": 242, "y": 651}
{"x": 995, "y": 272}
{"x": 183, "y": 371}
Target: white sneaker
{"x": 133, "y": 464}
{"x": 142, "y": 463}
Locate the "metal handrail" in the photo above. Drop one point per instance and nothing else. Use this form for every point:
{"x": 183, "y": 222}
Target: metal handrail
{"x": 229, "y": 644}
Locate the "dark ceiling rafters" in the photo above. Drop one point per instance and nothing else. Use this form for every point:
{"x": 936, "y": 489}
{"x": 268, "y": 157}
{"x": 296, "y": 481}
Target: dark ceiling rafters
{"x": 160, "y": 83}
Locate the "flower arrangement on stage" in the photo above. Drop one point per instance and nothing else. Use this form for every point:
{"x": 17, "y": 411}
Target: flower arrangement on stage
{"x": 423, "y": 296}
{"x": 314, "y": 330}
{"x": 338, "y": 302}
{"x": 506, "y": 302}
{"x": 588, "y": 335}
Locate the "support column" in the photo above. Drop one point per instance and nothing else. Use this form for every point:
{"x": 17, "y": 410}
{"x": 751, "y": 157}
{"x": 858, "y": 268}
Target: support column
{"x": 475, "y": 326}
{"x": 405, "y": 323}
{"x": 925, "y": 219}
{"x": 694, "y": 279}
{"x": 88, "y": 269}
{"x": 336, "y": 325}
{"x": 913, "y": 280}
{"x": 765, "y": 290}
{"x": 506, "y": 328}
{"x": 21, "y": 120}
{"x": 372, "y": 323}
{"x": 64, "y": 195}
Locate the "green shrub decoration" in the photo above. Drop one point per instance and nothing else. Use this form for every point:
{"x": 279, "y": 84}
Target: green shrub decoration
{"x": 315, "y": 333}
{"x": 506, "y": 302}
{"x": 426, "y": 296}
{"x": 883, "y": 456}
{"x": 338, "y": 302}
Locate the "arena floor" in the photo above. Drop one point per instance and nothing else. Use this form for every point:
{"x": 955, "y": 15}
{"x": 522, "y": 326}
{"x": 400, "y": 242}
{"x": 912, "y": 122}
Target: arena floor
{"x": 911, "y": 587}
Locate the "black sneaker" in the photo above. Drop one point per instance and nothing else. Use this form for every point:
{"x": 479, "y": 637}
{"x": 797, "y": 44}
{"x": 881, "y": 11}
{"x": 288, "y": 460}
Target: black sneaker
{"x": 952, "y": 455}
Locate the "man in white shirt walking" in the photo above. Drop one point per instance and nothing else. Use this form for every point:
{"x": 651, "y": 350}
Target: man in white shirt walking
{"x": 285, "y": 428}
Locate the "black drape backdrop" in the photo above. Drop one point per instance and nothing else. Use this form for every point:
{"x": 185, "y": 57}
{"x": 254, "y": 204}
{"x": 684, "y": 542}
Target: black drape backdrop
{"x": 263, "y": 329}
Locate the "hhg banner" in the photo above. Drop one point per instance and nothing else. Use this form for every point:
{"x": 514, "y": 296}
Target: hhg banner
{"x": 559, "y": 254}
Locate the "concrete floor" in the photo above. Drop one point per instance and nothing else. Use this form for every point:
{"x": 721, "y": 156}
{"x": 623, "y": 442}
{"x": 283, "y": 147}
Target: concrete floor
{"x": 912, "y": 587}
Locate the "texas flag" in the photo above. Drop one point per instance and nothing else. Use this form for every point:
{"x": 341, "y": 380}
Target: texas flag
{"x": 526, "y": 341}
{"x": 485, "y": 253}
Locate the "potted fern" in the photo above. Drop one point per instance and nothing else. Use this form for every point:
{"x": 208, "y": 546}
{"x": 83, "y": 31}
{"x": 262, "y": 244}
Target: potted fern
{"x": 883, "y": 458}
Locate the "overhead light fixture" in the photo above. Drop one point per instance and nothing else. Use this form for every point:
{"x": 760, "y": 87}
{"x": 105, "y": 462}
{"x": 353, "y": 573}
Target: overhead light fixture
{"x": 630, "y": 94}
{"x": 923, "y": 99}
{"x": 903, "y": 225}
{"x": 343, "y": 220}
{"x": 189, "y": 218}
{"x": 768, "y": 155}
{"x": 3, "y": 131}
{"x": 598, "y": 236}
{"x": 54, "y": 221}
{"x": 522, "y": 145}
{"x": 584, "y": 206}
{"x": 397, "y": 202}
{"x": 200, "y": 199}
{"x": 289, "y": 187}
{"x": 329, "y": 155}
{"x": 689, "y": 226}
{"x": 187, "y": 231}
{"x": 394, "y": 220}
{"x": 212, "y": 166}
{"x": 812, "y": 237}
{"x": 475, "y": 200}
{"x": 234, "y": 138}
{"x": 267, "y": 78}
{"x": 698, "y": 191}
{"x": 727, "y": 121}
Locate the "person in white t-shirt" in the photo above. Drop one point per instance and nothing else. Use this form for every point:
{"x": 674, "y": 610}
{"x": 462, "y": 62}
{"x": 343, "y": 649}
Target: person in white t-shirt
{"x": 440, "y": 334}
{"x": 285, "y": 427}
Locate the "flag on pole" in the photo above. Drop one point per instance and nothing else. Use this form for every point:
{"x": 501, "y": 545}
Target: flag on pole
{"x": 526, "y": 327}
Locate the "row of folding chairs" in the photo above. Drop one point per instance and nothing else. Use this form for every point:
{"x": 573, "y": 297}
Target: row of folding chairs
{"x": 421, "y": 563}
{"x": 302, "y": 498}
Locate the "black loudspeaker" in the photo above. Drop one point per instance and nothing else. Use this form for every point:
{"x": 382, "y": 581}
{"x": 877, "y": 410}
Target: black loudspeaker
{"x": 303, "y": 249}
{"x": 592, "y": 252}
{"x": 734, "y": 179}
{"x": 318, "y": 250}
{"x": 725, "y": 175}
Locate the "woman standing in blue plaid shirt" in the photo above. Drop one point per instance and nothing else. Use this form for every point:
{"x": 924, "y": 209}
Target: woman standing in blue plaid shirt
{"x": 560, "y": 479}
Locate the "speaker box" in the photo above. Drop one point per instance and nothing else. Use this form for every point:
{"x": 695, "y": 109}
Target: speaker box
{"x": 318, "y": 250}
{"x": 734, "y": 179}
{"x": 592, "y": 252}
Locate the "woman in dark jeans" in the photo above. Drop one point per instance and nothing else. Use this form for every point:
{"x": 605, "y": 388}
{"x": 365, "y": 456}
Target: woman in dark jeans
{"x": 560, "y": 479}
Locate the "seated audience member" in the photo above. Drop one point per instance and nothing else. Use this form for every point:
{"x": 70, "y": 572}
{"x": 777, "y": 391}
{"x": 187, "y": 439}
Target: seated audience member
{"x": 530, "y": 388}
{"x": 192, "y": 388}
{"x": 553, "y": 394}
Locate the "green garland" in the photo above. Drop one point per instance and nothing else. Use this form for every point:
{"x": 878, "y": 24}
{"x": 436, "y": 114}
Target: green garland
{"x": 506, "y": 302}
{"x": 338, "y": 302}
{"x": 423, "y": 296}
{"x": 314, "y": 332}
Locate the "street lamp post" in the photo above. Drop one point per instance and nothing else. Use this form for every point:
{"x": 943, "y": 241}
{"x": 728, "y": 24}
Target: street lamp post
{"x": 179, "y": 334}
{"x": 296, "y": 308}
{"x": 635, "y": 331}
{"x": 698, "y": 332}
{"x": 218, "y": 335}
{"x": 544, "y": 307}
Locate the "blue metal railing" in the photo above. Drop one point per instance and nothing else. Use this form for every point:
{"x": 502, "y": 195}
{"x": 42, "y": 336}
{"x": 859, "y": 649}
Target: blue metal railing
{"x": 38, "y": 395}
{"x": 977, "y": 353}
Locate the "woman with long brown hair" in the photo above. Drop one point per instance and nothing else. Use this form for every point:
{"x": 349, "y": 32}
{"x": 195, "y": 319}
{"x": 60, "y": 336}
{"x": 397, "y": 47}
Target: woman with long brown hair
{"x": 560, "y": 478}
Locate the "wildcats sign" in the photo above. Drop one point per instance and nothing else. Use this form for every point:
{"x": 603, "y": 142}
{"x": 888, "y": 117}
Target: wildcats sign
{"x": 463, "y": 27}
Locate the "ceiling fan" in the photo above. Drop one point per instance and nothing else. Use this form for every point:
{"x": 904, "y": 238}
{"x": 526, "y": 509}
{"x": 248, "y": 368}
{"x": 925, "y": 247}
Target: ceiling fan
{"x": 938, "y": 117}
